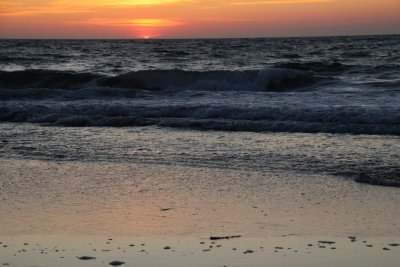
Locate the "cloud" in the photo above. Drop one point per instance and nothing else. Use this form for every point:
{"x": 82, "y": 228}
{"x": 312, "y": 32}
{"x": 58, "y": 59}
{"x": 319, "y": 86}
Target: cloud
{"x": 279, "y": 2}
{"x": 135, "y": 22}
{"x": 124, "y": 3}
{"x": 38, "y": 7}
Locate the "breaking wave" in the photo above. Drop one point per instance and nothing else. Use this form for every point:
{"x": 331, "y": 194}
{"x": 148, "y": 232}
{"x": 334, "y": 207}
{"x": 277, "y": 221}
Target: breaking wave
{"x": 385, "y": 121}
{"x": 160, "y": 80}
{"x": 320, "y": 67}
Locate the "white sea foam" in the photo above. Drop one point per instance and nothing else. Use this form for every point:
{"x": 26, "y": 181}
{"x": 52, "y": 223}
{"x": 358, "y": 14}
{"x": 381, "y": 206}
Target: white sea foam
{"x": 309, "y": 112}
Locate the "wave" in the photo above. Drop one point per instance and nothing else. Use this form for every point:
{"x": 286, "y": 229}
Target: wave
{"x": 45, "y": 79}
{"x": 382, "y": 178}
{"x": 320, "y": 67}
{"x": 159, "y": 80}
{"x": 384, "y": 121}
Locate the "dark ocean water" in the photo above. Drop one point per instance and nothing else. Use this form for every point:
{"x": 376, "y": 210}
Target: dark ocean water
{"x": 330, "y": 84}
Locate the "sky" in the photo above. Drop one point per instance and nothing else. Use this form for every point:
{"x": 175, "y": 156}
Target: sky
{"x": 196, "y": 18}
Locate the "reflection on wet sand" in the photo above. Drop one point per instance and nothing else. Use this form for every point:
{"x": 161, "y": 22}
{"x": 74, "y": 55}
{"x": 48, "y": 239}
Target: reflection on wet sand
{"x": 54, "y": 213}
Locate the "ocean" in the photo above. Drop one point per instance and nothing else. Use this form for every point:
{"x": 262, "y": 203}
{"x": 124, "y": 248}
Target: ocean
{"x": 124, "y": 149}
{"x": 299, "y": 85}
{"x": 345, "y": 89}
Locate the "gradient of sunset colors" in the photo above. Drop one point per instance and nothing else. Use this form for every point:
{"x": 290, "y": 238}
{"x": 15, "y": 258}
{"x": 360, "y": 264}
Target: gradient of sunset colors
{"x": 195, "y": 18}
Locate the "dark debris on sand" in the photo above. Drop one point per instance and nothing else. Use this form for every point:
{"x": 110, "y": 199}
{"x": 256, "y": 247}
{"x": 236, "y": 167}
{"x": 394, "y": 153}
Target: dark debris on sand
{"x": 116, "y": 263}
{"x": 327, "y": 242}
{"x": 224, "y": 237}
{"x": 352, "y": 238}
{"x": 166, "y": 209}
{"x": 86, "y": 258}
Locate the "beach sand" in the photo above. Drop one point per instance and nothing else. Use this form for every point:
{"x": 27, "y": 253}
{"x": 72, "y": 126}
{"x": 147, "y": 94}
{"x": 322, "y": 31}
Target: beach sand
{"x": 54, "y": 212}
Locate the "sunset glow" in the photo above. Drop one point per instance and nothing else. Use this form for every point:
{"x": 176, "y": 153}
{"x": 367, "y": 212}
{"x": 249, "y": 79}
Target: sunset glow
{"x": 195, "y": 18}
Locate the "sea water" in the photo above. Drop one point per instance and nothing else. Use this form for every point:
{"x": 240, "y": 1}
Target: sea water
{"x": 340, "y": 92}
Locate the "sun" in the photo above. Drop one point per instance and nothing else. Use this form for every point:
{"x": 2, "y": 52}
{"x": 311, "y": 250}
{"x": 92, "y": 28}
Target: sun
{"x": 148, "y": 35}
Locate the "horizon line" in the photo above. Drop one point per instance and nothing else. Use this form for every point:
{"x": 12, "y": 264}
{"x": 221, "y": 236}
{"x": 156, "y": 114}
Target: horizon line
{"x": 201, "y": 38}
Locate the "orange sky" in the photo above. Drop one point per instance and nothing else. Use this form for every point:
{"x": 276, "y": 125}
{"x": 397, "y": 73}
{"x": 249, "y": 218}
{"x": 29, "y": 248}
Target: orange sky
{"x": 195, "y": 18}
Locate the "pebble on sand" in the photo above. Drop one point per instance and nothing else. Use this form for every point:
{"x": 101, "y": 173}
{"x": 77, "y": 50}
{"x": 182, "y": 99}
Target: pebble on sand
{"x": 85, "y": 258}
{"x": 116, "y": 263}
{"x": 166, "y": 209}
{"x": 327, "y": 242}
{"x": 352, "y": 238}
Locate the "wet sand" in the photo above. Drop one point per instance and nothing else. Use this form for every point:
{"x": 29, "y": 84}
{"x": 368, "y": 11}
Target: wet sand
{"x": 190, "y": 251}
{"x": 110, "y": 214}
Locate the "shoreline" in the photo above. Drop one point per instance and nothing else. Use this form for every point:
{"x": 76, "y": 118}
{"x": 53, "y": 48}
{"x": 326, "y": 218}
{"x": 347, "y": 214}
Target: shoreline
{"x": 66, "y": 209}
